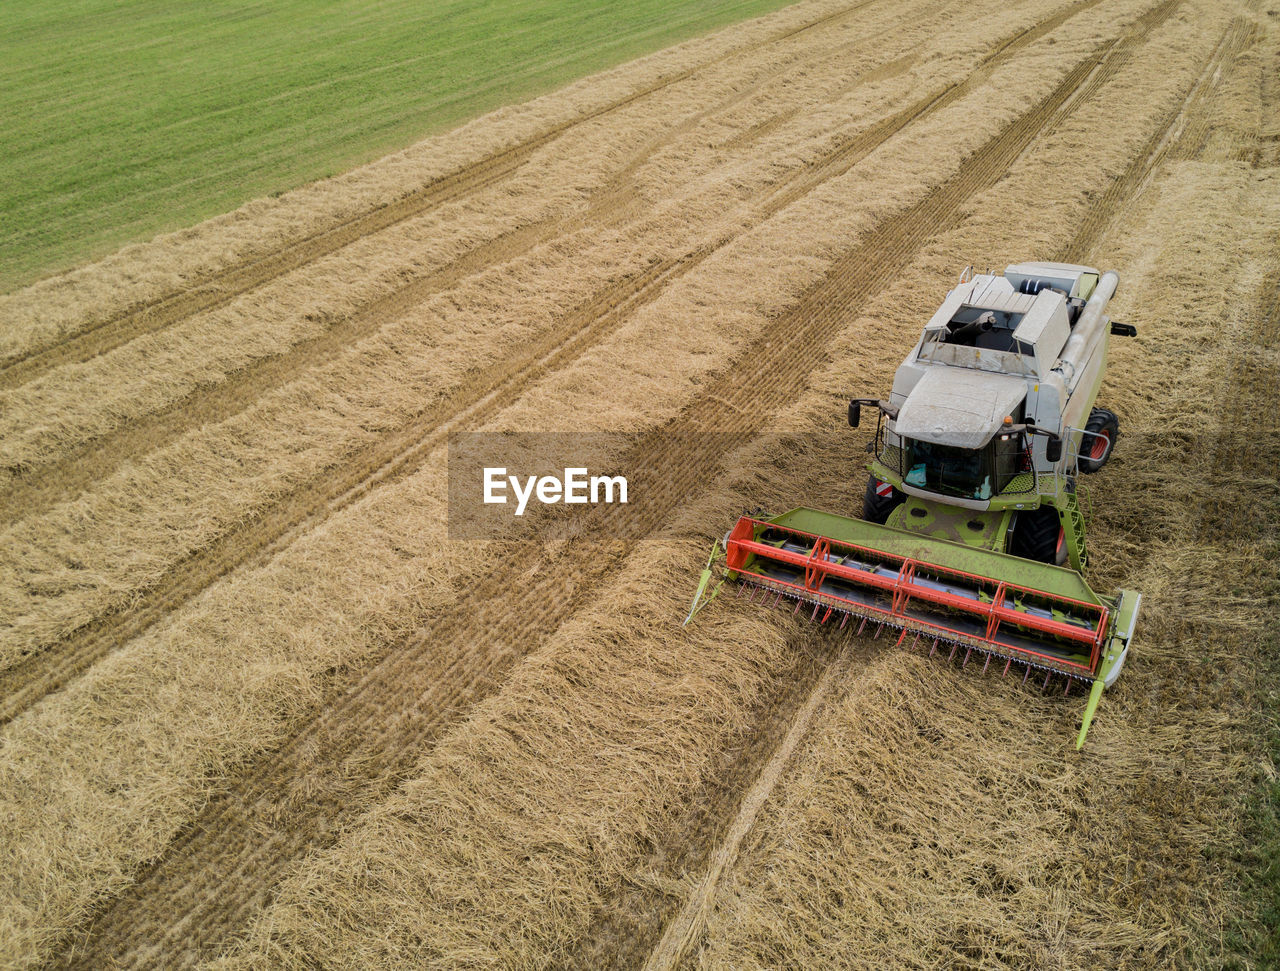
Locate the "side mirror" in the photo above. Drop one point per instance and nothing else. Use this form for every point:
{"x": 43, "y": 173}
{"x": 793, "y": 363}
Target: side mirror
{"x": 1053, "y": 449}
{"x": 1123, "y": 330}
{"x": 855, "y": 413}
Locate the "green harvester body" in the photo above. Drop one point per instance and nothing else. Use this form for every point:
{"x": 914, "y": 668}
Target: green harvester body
{"x": 972, "y": 538}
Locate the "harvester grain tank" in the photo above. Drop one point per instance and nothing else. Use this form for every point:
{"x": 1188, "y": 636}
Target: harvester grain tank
{"x": 972, "y": 538}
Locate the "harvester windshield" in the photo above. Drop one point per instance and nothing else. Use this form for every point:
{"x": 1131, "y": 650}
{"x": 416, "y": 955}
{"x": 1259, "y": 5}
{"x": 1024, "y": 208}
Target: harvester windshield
{"x": 967, "y": 472}
{"x": 944, "y": 468}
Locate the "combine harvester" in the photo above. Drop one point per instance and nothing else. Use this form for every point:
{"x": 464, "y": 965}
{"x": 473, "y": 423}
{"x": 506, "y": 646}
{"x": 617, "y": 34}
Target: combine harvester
{"x": 972, "y": 539}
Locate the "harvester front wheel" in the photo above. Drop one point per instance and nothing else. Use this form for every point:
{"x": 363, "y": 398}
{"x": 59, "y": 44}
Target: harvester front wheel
{"x": 1038, "y": 535}
{"x": 881, "y": 499}
{"x": 1096, "y": 449}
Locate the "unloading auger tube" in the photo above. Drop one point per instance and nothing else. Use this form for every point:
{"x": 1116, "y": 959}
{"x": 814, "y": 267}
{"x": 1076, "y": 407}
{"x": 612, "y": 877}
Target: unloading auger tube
{"x": 971, "y": 543}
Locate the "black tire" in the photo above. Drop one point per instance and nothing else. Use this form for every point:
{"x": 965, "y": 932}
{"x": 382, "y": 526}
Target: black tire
{"x": 1094, "y": 451}
{"x": 876, "y": 507}
{"x": 1038, "y": 535}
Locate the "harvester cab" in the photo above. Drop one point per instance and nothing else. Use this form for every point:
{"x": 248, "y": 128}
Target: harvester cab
{"x": 971, "y": 537}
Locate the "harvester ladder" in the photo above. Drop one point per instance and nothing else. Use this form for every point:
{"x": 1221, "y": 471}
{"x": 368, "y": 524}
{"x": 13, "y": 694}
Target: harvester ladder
{"x": 1073, "y": 527}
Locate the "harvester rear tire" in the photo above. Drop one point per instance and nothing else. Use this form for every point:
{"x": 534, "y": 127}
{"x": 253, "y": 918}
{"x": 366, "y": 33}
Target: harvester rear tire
{"x": 875, "y": 507}
{"x": 1038, "y": 535}
{"x": 1101, "y": 423}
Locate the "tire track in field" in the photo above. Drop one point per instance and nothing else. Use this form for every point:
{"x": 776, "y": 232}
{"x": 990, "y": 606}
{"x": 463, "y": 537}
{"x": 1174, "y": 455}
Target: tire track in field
{"x": 483, "y": 395}
{"x": 1242, "y": 497}
{"x": 1195, "y": 126}
{"x": 628, "y": 925}
{"x": 767, "y": 127}
{"x": 219, "y": 288}
{"x": 683, "y": 930}
{"x": 1185, "y": 128}
{"x": 617, "y": 187}
{"x": 893, "y": 68}
{"x": 221, "y": 868}
{"x": 611, "y": 205}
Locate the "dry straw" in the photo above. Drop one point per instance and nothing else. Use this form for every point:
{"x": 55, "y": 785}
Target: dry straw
{"x": 151, "y": 688}
{"x": 60, "y": 411}
{"x": 894, "y": 837}
{"x": 932, "y": 818}
{"x": 69, "y": 569}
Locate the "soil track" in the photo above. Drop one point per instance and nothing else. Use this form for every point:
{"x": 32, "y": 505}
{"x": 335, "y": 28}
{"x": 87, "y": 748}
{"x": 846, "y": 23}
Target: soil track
{"x": 372, "y": 727}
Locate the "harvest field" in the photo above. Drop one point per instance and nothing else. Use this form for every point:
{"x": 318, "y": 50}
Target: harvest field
{"x": 124, "y": 120}
{"x": 258, "y": 710}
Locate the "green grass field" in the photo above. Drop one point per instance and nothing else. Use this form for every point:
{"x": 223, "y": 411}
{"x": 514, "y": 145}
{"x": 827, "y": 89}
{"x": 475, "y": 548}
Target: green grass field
{"x": 122, "y": 120}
